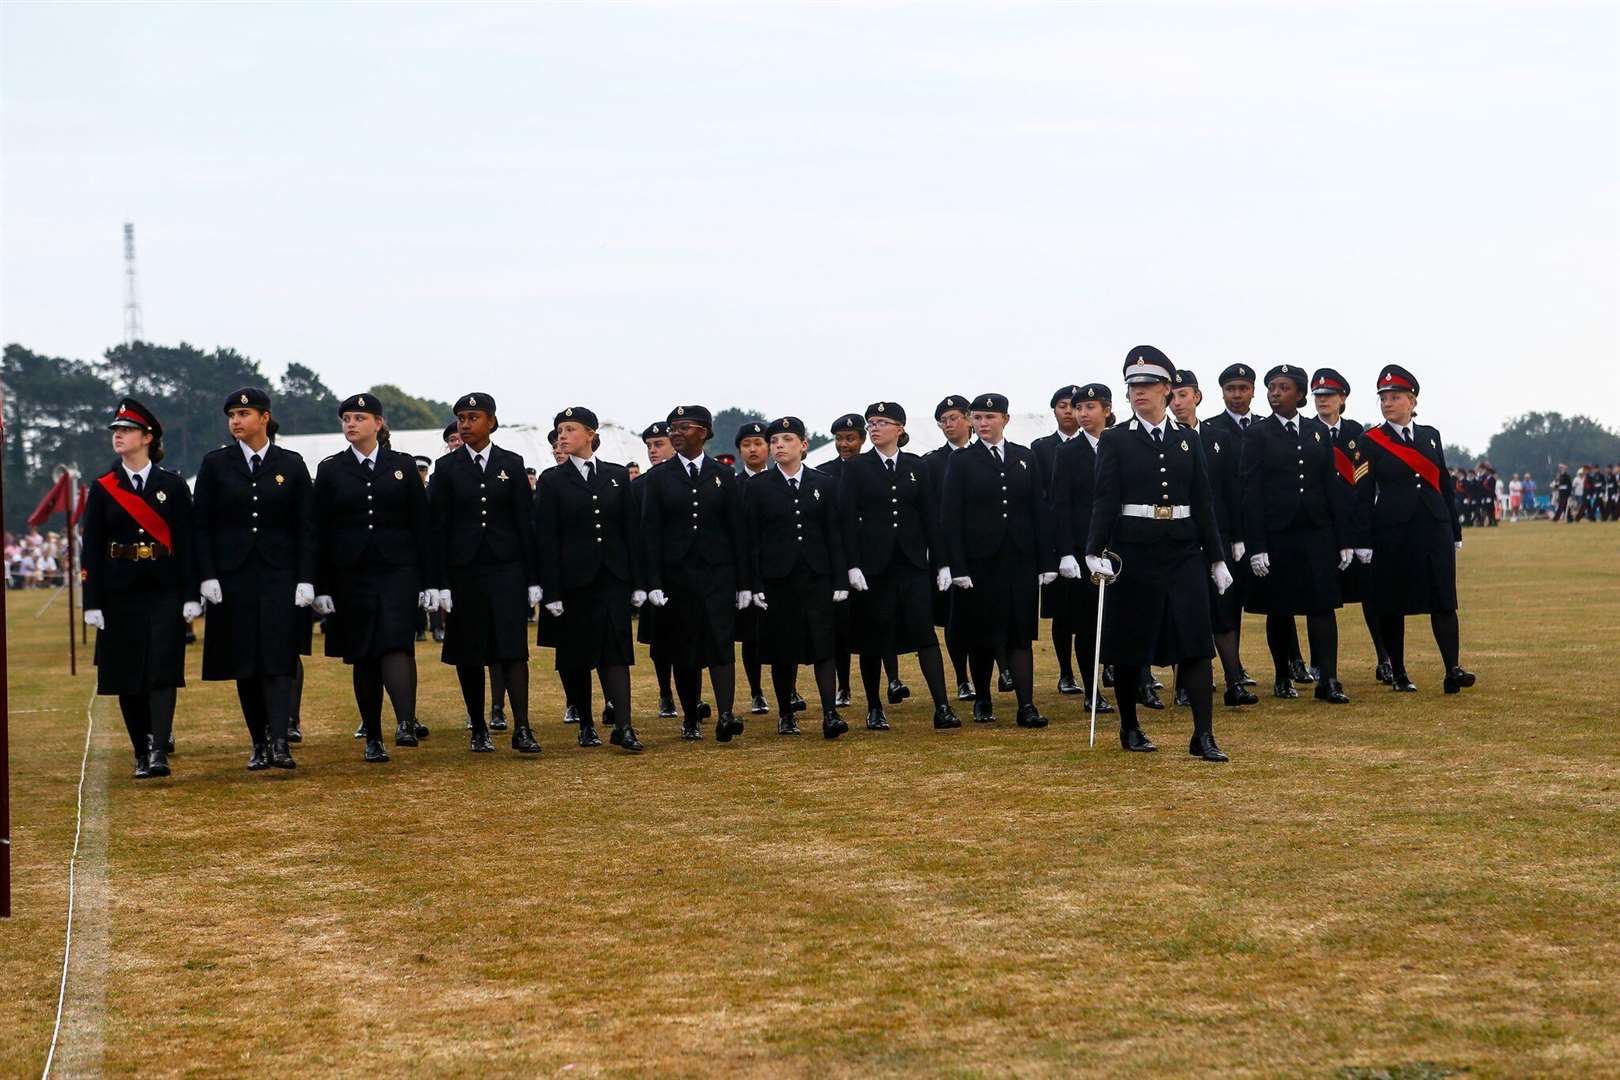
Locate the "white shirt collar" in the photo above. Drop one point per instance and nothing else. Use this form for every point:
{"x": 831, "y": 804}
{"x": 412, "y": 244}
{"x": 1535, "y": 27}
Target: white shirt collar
{"x": 248, "y": 452}
{"x": 1090, "y": 438}
{"x": 474, "y": 454}
{"x": 582, "y": 464}
{"x": 793, "y": 477}
{"x": 145, "y": 474}
{"x": 688, "y": 462}
{"x": 1238, "y": 419}
{"x": 1063, "y": 438}
{"x": 363, "y": 458}
{"x": 1162, "y": 425}
{"x": 1002, "y": 445}
{"x": 751, "y": 473}
{"x": 887, "y": 457}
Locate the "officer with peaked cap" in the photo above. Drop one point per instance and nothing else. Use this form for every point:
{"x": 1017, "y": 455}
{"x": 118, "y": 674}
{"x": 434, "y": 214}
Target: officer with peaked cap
{"x": 951, "y": 416}
{"x": 1152, "y": 509}
{"x": 1055, "y": 600}
{"x": 139, "y": 574}
{"x": 1074, "y": 475}
{"x": 1409, "y": 511}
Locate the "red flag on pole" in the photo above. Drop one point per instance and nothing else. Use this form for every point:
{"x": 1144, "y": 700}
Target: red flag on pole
{"x": 55, "y": 501}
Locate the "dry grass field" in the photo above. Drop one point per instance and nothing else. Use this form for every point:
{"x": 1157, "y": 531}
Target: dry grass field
{"x": 1419, "y": 885}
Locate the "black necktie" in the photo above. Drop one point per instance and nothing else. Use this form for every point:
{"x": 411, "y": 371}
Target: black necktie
{"x": 1158, "y": 437}
{"x": 1244, "y": 423}
{"x": 1334, "y": 432}
{"x": 138, "y": 484}
{"x": 1290, "y": 427}
{"x": 478, "y": 460}
{"x": 1406, "y": 436}
{"x": 996, "y": 450}
{"x": 794, "y": 483}
{"x": 369, "y": 464}
{"x": 253, "y": 465}
{"x": 890, "y": 464}
{"x": 691, "y": 468}
{"x": 590, "y": 471}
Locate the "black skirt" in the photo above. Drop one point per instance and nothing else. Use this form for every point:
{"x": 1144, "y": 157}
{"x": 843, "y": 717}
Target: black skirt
{"x": 1226, "y": 609}
{"x": 375, "y": 610}
{"x": 1355, "y": 583}
{"x": 942, "y": 608}
{"x": 257, "y": 630}
{"x": 144, "y": 646}
{"x": 1002, "y": 608}
{"x": 489, "y": 618}
{"x": 1414, "y": 568}
{"x": 799, "y": 626}
{"x": 1304, "y": 575}
{"x": 646, "y": 617}
{"x": 896, "y": 613}
{"x": 594, "y": 629}
{"x": 695, "y": 628}
{"x": 746, "y": 625}
{"x": 1055, "y": 603}
{"x": 1157, "y": 611}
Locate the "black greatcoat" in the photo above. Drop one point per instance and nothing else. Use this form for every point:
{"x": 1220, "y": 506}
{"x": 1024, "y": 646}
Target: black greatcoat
{"x": 143, "y": 647}
{"x": 376, "y": 552}
{"x": 1157, "y": 611}
{"x": 1295, "y": 512}
{"x": 1074, "y": 482}
{"x": 586, "y": 536}
{"x": 484, "y": 547}
{"x": 1222, "y": 460}
{"x": 1003, "y": 541}
{"x": 256, "y": 534}
{"x": 1056, "y": 600}
{"x": 796, "y": 558}
{"x": 1413, "y": 527}
{"x": 692, "y": 531}
{"x": 935, "y": 462}
{"x": 890, "y": 525}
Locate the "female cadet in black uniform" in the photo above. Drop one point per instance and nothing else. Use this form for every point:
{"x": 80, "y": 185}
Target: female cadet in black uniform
{"x": 754, "y": 454}
{"x": 140, "y": 583}
{"x": 375, "y": 559}
{"x": 999, "y": 554}
{"x": 1153, "y": 508}
{"x": 1074, "y": 477}
{"x": 692, "y": 532}
{"x": 256, "y": 553}
{"x": 1409, "y": 510}
{"x": 951, "y": 416}
{"x": 483, "y": 547}
{"x": 585, "y": 537}
{"x": 797, "y": 573}
{"x": 891, "y": 540}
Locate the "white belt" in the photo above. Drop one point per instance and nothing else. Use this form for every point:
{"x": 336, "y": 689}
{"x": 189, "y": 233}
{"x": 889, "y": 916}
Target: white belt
{"x": 1148, "y": 510}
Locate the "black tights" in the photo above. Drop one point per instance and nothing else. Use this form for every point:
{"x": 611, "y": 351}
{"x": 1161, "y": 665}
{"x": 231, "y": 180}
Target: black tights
{"x": 1375, "y": 632}
{"x": 689, "y": 685}
{"x": 959, "y": 657}
{"x": 843, "y": 670}
{"x": 1283, "y": 639}
{"x": 1063, "y": 645}
{"x": 615, "y": 692}
{"x": 751, "y": 668}
{"x": 149, "y": 718}
{"x": 266, "y": 705}
{"x": 1197, "y": 677}
{"x": 933, "y": 670}
{"x": 1447, "y": 636}
{"x": 1226, "y": 647}
{"x": 295, "y": 705}
{"x": 515, "y": 681}
{"x": 662, "y": 671}
{"x": 1019, "y": 660}
{"x": 497, "y": 689}
{"x": 394, "y": 672}
{"x": 784, "y": 677}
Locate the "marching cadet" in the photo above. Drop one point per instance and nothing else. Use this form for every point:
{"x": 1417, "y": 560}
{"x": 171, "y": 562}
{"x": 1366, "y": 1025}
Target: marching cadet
{"x": 371, "y": 511}
{"x": 1153, "y": 512}
{"x": 139, "y": 577}
{"x": 485, "y": 570}
{"x": 452, "y": 437}
{"x": 585, "y": 532}
{"x": 1055, "y": 601}
{"x": 849, "y": 435}
{"x": 1221, "y": 464}
{"x": 655, "y": 437}
{"x": 890, "y": 538}
{"x": 497, "y": 688}
{"x": 1330, "y": 390}
{"x": 999, "y": 556}
{"x": 754, "y": 451}
{"x": 797, "y": 573}
{"x": 256, "y": 553}
{"x": 696, "y": 573}
{"x": 1414, "y": 527}
{"x": 1295, "y": 528}
{"x": 1074, "y": 476}
{"x": 425, "y": 620}
{"x": 951, "y": 416}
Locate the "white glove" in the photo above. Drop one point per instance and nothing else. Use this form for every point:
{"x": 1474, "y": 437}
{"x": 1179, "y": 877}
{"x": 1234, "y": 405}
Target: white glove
{"x": 210, "y": 591}
{"x": 444, "y": 601}
{"x": 556, "y": 608}
{"x": 1046, "y": 577}
{"x": 1221, "y": 576}
{"x": 759, "y": 602}
{"x": 962, "y": 582}
{"x": 658, "y": 598}
{"x": 744, "y": 598}
{"x": 1260, "y": 563}
{"x": 1238, "y": 548}
{"x": 93, "y": 617}
{"x": 1069, "y": 566}
{"x": 323, "y": 606}
{"x": 1364, "y": 554}
{"x": 304, "y": 594}
{"x": 1459, "y": 545}
{"x": 1099, "y": 565}
{"x": 190, "y": 610}
{"x": 638, "y": 597}
{"x": 857, "y": 580}
{"x": 1346, "y": 555}
{"x": 840, "y": 595}
{"x": 534, "y": 595}
{"x": 942, "y": 580}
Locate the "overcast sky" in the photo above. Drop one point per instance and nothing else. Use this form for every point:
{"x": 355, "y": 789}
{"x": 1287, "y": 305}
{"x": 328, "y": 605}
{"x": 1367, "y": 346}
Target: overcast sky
{"x": 807, "y": 208}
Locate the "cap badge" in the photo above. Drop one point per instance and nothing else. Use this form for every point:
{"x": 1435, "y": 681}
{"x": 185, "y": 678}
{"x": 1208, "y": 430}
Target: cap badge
{"x": 361, "y": 400}
{"x": 680, "y": 410}
{"x": 244, "y": 399}
{"x": 880, "y": 406}
{"x": 568, "y": 411}
{"x": 472, "y": 399}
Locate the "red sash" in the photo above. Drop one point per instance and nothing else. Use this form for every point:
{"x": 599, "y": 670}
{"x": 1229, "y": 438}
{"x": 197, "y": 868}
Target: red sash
{"x": 1346, "y": 467}
{"x": 137, "y": 508}
{"x": 1414, "y": 460}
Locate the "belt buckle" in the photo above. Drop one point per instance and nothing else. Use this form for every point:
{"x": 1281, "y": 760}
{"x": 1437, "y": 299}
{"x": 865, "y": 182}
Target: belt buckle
{"x": 1164, "y": 513}
{"x": 144, "y": 552}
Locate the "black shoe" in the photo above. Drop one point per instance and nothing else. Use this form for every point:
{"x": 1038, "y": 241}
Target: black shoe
{"x": 757, "y": 705}
{"x": 787, "y": 725}
{"x": 1457, "y": 679}
{"x": 280, "y": 755}
{"x": 141, "y": 771}
{"x": 666, "y": 708}
{"x": 295, "y": 731}
{"x": 260, "y": 758}
{"x": 1004, "y": 682}
{"x": 497, "y": 719}
{"x": 169, "y": 745}
{"x": 421, "y": 635}
{"x": 898, "y": 692}
{"x": 841, "y": 699}
{"x": 375, "y": 754}
{"x": 438, "y": 635}
{"x": 1157, "y": 685}
{"x": 1183, "y": 701}
{"x": 1135, "y": 740}
{"x": 1330, "y": 691}
{"x": 945, "y": 718}
{"x": 624, "y": 737}
{"x": 1108, "y": 676}
{"x": 420, "y": 729}
{"x": 984, "y": 711}
{"x": 1148, "y": 697}
{"x": 964, "y": 691}
{"x": 480, "y": 743}
{"x": 360, "y": 732}
{"x": 704, "y": 712}
{"x": 1103, "y": 705}
{"x": 469, "y": 725}
{"x": 1282, "y": 688}
{"x": 832, "y": 725}
{"x": 609, "y": 720}
{"x": 875, "y": 720}
{"x": 1067, "y": 685}
{"x": 570, "y": 715}
{"x": 797, "y": 703}
{"x": 727, "y": 727}
{"x": 690, "y": 731}
{"x": 404, "y": 733}
{"x": 1203, "y": 746}
{"x": 1237, "y": 695}
{"x": 1298, "y": 672}
{"x": 1384, "y": 673}
{"x": 523, "y": 740}
{"x": 1246, "y": 679}
{"x": 1402, "y": 684}
{"x": 587, "y": 736}
{"x": 1030, "y": 717}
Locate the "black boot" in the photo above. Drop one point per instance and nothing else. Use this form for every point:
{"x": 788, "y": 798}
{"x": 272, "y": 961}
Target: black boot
{"x": 479, "y": 742}
{"x": 141, "y": 772}
{"x": 295, "y": 730}
{"x": 168, "y": 746}
{"x": 523, "y": 740}
{"x": 1402, "y": 684}
{"x": 360, "y": 728}
{"x": 984, "y": 711}
{"x": 727, "y": 727}
{"x": 280, "y": 755}
{"x": 405, "y": 733}
{"x": 1104, "y": 706}
{"x": 704, "y": 712}
{"x": 787, "y": 725}
{"x": 375, "y": 754}
{"x": 964, "y": 691}
{"x": 1457, "y": 679}
{"x": 1282, "y": 688}
{"x": 875, "y": 720}
{"x": 945, "y": 718}
{"x": 260, "y": 758}
{"x": 1004, "y": 682}
{"x": 1030, "y": 717}
{"x": 419, "y": 729}
{"x": 1135, "y": 740}
{"x": 1203, "y": 746}
{"x": 624, "y": 737}
{"x": 841, "y": 700}
{"x": 1330, "y": 691}
{"x": 1182, "y": 700}
{"x": 1148, "y": 697}
{"x": 832, "y": 725}
{"x": 1237, "y": 695}
{"x": 157, "y": 762}
{"x": 1245, "y": 679}
{"x": 587, "y": 734}
{"x": 1108, "y": 676}
{"x": 898, "y": 692}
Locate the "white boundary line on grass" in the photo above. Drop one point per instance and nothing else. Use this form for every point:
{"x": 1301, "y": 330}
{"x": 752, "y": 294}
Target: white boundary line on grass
{"x": 73, "y": 862}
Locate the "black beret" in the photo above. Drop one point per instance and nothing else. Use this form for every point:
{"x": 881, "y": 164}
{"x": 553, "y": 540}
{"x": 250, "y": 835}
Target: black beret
{"x": 692, "y": 414}
{"x": 1186, "y": 378}
{"x": 481, "y": 402}
{"x": 1092, "y": 391}
{"x": 578, "y": 414}
{"x": 423, "y": 461}
{"x": 551, "y": 437}
{"x": 990, "y": 403}
{"x": 450, "y": 429}
{"x": 1328, "y": 381}
{"x": 1395, "y": 377}
{"x": 132, "y": 414}
{"x": 752, "y": 430}
{"x": 366, "y": 403}
{"x": 1288, "y": 371}
{"x": 892, "y": 410}
{"x": 848, "y": 422}
{"x": 955, "y": 401}
{"x": 1063, "y": 393}
{"x": 250, "y": 397}
{"x": 529, "y": 470}
{"x": 1148, "y": 364}
{"x": 789, "y": 424}
{"x": 1237, "y": 373}
{"x": 655, "y": 430}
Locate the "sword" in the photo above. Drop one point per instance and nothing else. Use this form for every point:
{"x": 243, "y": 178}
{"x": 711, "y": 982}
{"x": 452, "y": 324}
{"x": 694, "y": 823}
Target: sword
{"x": 1101, "y": 581}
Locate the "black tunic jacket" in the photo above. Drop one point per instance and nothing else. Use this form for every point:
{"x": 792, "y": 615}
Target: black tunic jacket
{"x": 1393, "y": 493}
{"x": 996, "y": 507}
{"x": 1132, "y": 469}
{"x": 889, "y": 516}
{"x": 1074, "y": 482}
{"x": 238, "y": 514}
{"x": 787, "y": 527}
{"x": 371, "y": 516}
{"x": 1289, "y": 481}
{"x": 481, "y": 517}
{"x": 106, "y": 522}
{"x": 698, "y": 522}
{"x": 584, "y": 528}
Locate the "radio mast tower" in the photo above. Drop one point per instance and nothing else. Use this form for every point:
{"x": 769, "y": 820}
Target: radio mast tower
{"x": 132, "y": 304}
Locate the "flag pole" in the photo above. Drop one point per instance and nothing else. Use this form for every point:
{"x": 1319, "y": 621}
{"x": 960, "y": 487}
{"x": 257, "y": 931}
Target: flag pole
{"x": 5, "y": 725}
{"x": 72, "y": 573}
